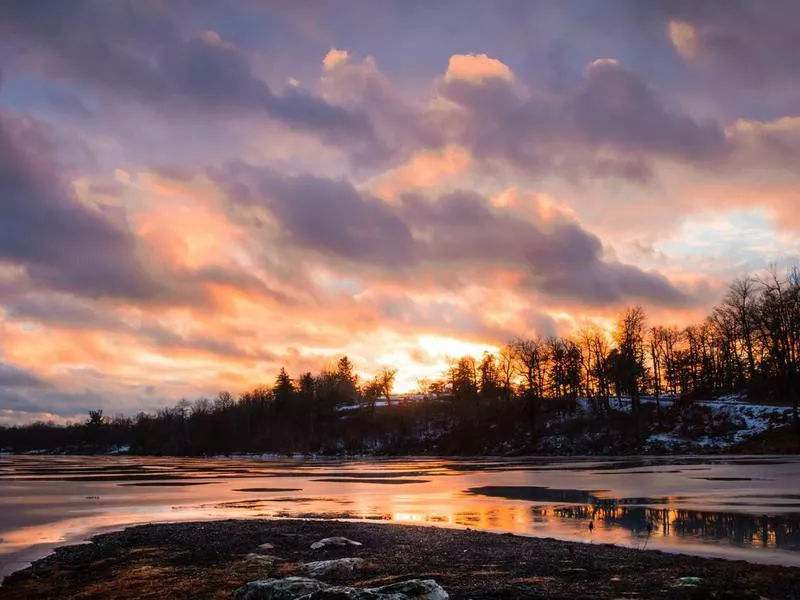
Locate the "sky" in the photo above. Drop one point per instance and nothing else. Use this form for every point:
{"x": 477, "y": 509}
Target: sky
{"x": 194, "y": 193}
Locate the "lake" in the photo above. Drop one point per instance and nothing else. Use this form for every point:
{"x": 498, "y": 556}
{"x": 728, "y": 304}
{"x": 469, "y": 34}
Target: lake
{"x": 733, "y": 507}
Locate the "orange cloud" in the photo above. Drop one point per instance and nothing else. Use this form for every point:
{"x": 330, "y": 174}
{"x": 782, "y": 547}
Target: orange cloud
{"x": 684, "y": 38}
{"x": 334, "y": 57}
{"x": 476, "y": 67}
{"x": 425, "y": 170}
{"x": 183, "y": 223}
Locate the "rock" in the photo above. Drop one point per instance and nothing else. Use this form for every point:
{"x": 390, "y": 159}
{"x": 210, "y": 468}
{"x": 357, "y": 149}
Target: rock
{"x": 266, "y": 560}
{"x": 334, "y": 542}
{"x": 266, "y": 546}
{"x": 303, "y": 588}
{"x": 288, "y": 588}
{"x": 413, "y": 589}
{"x": 338, "y": 566}
{"x": 345, "y": 593}
{"x": 687, "y": 582}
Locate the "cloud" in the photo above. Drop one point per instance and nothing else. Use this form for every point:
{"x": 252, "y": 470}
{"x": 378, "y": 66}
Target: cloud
{"x": 15, "y": 377}
{"x": 747, "y": 40}
{"x": 138, "y": 49}
{"x": 684, "y": 38}
{"x": 476, "y": 67}
{"x": 16, "y": 402}
{"x": 214, "y": 344}
{"x": 324, "y": 215}
{"x": 10, "y": 417}
{"x": 217, "y": 75}
{"x": 424, "y": 170}
{"x": 615, "y": 106}
{"x": 413, "y": 186}
{"x": 453, "y": 231}
{"x": 61, "y": 242}
{"x": 766, "y": 144}
{"x": 62, "y": 404}
{"x": 59, "y": 310}
{"x": 334, "y": 57}
{"x": 53, "y": 239}
{"x": 606, "y": 125}
{"x": 16, "y": 385}
{"x": 400, "y": 126}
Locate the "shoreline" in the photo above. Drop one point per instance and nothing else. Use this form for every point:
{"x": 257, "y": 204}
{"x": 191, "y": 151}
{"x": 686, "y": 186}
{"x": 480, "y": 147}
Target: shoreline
{"x": 209, "y": 559}
{"x": 45, "y": 550}
{"x": 700, "y": 452}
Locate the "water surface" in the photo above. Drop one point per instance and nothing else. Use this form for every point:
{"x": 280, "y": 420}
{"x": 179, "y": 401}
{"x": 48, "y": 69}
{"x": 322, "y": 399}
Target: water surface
{"x": 732, "y": 507}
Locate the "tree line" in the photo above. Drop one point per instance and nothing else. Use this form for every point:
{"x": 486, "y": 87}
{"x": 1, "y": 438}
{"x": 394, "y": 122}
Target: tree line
{"x": 749, "y": 343}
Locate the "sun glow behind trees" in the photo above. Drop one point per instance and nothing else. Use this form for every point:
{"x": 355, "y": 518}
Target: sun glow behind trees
{"x": 749, "y": 344}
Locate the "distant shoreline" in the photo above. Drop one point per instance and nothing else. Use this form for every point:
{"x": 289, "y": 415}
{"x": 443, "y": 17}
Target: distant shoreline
{"x": 210, "y": 560}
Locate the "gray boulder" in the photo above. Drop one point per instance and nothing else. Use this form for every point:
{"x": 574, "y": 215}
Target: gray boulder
{"x": 341, "y": 592}
{"x": 334, "y": 542}
{"x": 413, "y": 589}
{"x": 287, "y": 588}
{"x": 337, "y": 566}
{"x": 302, "y": 588}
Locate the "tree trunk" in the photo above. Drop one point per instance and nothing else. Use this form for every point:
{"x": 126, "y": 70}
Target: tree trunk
{"x": 532, "y": 421}
{"x": 792, "y": 389}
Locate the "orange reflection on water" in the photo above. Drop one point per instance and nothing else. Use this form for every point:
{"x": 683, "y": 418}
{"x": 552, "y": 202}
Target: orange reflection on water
{"x": 48, "y": 501}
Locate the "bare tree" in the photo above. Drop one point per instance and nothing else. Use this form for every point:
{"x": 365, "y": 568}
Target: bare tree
{"x": 531, "y": 359}
{"x": 506, "y": 369}
{"x": 780, "y": 329}
{"x": 596, "y": 350}
{"x": 629, "y": 336}
{"x": 742, "y": 301}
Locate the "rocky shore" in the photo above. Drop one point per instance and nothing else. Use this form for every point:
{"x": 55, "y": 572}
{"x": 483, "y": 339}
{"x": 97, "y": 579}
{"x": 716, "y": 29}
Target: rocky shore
{"x": 283, "y": 559}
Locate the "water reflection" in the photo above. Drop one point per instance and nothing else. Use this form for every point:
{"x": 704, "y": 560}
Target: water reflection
{"x": 641, "y": 519}
{"x": 739, "y": 529}
{"x": 741, "y": 507}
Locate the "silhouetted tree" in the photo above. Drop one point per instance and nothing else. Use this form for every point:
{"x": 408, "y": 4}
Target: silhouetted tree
{"x": 630, "y": 367}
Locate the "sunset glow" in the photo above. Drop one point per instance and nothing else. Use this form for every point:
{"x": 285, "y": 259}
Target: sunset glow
{"x": 191, "y": 199}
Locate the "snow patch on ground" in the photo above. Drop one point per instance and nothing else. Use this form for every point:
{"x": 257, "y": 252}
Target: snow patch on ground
{"x": 378, "y": 404}
{"x": 751, "y": 420}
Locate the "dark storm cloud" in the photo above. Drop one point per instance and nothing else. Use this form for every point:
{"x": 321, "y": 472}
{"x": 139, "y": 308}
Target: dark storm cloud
{"x": 137, "y": 48}
{"x": 456, "y": 230}
{"x": 62, "y": 243}
{"x": 609, "y": 108}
